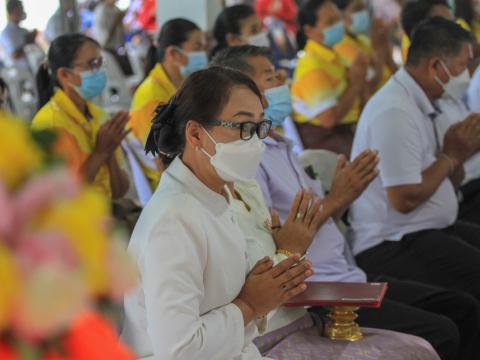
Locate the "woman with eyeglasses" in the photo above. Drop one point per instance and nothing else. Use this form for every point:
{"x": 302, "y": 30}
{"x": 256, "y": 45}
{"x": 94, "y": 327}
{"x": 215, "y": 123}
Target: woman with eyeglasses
{"x": 196, "y": 299}
{"x": 86, "y": 137}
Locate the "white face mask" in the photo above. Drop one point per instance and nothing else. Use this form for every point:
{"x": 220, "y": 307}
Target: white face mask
{"x": 237, "y": 160}
{"x": 456, "y": 86}
{"x": 260, "y": 39}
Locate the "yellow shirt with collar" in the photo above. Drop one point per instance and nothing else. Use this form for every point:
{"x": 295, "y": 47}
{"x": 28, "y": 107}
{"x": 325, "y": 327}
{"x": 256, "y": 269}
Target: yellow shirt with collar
{"x": 154, "y": 90}
{"x": 350, "y": 46}
{"x": 76, "y": 135}
{"x": 320, "y": 78}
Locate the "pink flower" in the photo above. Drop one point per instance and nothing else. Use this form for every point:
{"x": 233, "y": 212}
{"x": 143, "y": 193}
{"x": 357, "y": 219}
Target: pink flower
{"x": 35, "y": 250}
{"x": 43, "y": 190}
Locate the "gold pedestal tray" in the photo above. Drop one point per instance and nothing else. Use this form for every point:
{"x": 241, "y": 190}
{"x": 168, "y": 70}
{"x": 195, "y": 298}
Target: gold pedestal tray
{"x": 342, "y": 325}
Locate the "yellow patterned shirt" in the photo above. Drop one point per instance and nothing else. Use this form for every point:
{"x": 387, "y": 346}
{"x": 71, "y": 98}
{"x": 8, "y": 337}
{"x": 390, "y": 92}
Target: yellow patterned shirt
{"x": 320, "y": 78}
{"x": 350, "y": 46}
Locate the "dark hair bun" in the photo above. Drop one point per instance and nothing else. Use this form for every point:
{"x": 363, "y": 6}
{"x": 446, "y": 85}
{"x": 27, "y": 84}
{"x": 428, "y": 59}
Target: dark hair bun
{"x": 162, "y": 139}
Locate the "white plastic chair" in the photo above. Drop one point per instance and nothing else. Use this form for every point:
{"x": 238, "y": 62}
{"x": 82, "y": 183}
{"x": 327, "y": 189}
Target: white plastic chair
{"x": 323, "y": 163}
{"x": 22, "y": 90}
{"x": 117, "y": 94}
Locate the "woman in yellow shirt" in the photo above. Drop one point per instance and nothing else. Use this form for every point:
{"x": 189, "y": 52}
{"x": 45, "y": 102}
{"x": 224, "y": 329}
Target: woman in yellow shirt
{"x": 179, "y": 50}
{"x": 86, "y": 138}
{"x": 371, "y": 38}
{"x": 326, "y": 93}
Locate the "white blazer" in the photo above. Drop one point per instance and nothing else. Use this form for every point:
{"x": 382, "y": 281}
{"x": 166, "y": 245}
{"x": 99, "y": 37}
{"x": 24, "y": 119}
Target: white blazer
{"x": 191, "y": 257}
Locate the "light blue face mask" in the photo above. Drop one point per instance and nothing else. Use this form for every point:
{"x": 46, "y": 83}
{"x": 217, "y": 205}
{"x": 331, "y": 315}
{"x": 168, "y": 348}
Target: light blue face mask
{"x": 333, "y": 34}
{"x": 360, "y": 22}
{"x": 93, "y": 83}
{"x": 197, "y": 60}
{"x": 279, "y": 104}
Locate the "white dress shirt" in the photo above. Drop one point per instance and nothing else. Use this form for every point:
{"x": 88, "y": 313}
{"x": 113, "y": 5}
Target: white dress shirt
{"x": 255, "y": 223}
{"x": 191, "y": 256}
{"x": 399, "y": 122}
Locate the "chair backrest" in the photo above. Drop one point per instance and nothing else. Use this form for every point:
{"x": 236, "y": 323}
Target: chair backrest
{"x": 117, "y": 95}
{"x": 22, "y": 91}
{"x": 323, "y": 163}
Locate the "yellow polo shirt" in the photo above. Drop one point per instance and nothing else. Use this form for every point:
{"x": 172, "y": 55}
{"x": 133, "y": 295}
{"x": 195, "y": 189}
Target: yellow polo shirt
{"x": 350, "y": 46}
{"x": 76, "y": 135}
{"x": 320, "y": 78}
{"x": 154, "y": 90}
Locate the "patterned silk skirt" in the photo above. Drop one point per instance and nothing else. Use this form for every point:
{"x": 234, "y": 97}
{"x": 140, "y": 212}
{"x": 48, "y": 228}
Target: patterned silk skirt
{"x": 303, "y": 340}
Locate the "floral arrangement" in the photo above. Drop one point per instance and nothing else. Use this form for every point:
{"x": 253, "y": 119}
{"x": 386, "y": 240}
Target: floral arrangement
{"x": 59, "y": 258}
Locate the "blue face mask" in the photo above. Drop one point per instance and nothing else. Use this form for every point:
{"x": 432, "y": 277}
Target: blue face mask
{"x": 333, "y": 34}
{"x": 360, "y": 22}
{"x": 93, "y": 83}
{"x": 197, "y": 60}
{"x": 279, "y": 104}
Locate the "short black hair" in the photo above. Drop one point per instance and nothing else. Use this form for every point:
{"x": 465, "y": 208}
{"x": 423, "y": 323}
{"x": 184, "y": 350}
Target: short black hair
{"x": 437, "y": 36}
{"x": 307, "y": 15}
{"x": 13, "y": 5}
{"x": 235, "y": 57}
{"x": 416, "y": 11}
{"x": 229, "y": 22}
{"x": 342, "y": 4}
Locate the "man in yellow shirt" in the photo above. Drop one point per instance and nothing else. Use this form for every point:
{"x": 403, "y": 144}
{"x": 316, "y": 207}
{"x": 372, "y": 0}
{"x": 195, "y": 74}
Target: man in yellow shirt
{"x": 326, "y": 94}
{"x": 377, "y": 47}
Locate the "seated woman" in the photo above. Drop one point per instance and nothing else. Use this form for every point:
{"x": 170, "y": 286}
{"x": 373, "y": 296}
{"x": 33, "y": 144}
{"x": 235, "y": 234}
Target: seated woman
{"x": 86, "y": 138}
{"x": 238, "y": 25}
{"x": 179, "y": 51}
{"x": 196, "y": 299}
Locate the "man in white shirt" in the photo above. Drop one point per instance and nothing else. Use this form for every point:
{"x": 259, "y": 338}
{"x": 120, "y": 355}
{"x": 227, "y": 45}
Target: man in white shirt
{"x": 405, "y": 224}
{"x": 14, "y": 38}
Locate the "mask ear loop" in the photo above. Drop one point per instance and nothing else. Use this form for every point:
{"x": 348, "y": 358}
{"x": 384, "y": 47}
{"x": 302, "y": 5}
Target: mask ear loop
{"x": 212, "y": 139}
{"x": 437, "y": 79}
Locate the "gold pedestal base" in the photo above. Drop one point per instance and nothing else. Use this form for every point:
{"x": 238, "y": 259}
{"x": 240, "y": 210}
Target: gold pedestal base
{"x": 342, "y": 325}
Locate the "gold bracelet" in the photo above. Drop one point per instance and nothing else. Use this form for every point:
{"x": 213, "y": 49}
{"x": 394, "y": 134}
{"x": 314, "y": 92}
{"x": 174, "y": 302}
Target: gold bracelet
{"x": 285, "y": 252}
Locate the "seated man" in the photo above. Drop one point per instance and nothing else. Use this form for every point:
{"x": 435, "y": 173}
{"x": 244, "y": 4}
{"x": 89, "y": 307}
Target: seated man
{"x": 410, "y": 307}
{"x": 326, "y": 94}
{"x": 14, "y": 38}
{"x": 405, "y": 223}
{"x": 451, "y": 105}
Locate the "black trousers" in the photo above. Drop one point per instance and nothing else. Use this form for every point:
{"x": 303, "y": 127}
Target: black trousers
{"x": 469, "y": 209}
{"x": 447, "y": 259}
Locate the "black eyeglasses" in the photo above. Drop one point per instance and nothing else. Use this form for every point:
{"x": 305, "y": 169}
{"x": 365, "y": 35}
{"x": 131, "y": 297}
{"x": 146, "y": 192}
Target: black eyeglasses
{"x": 247, "y": 128}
